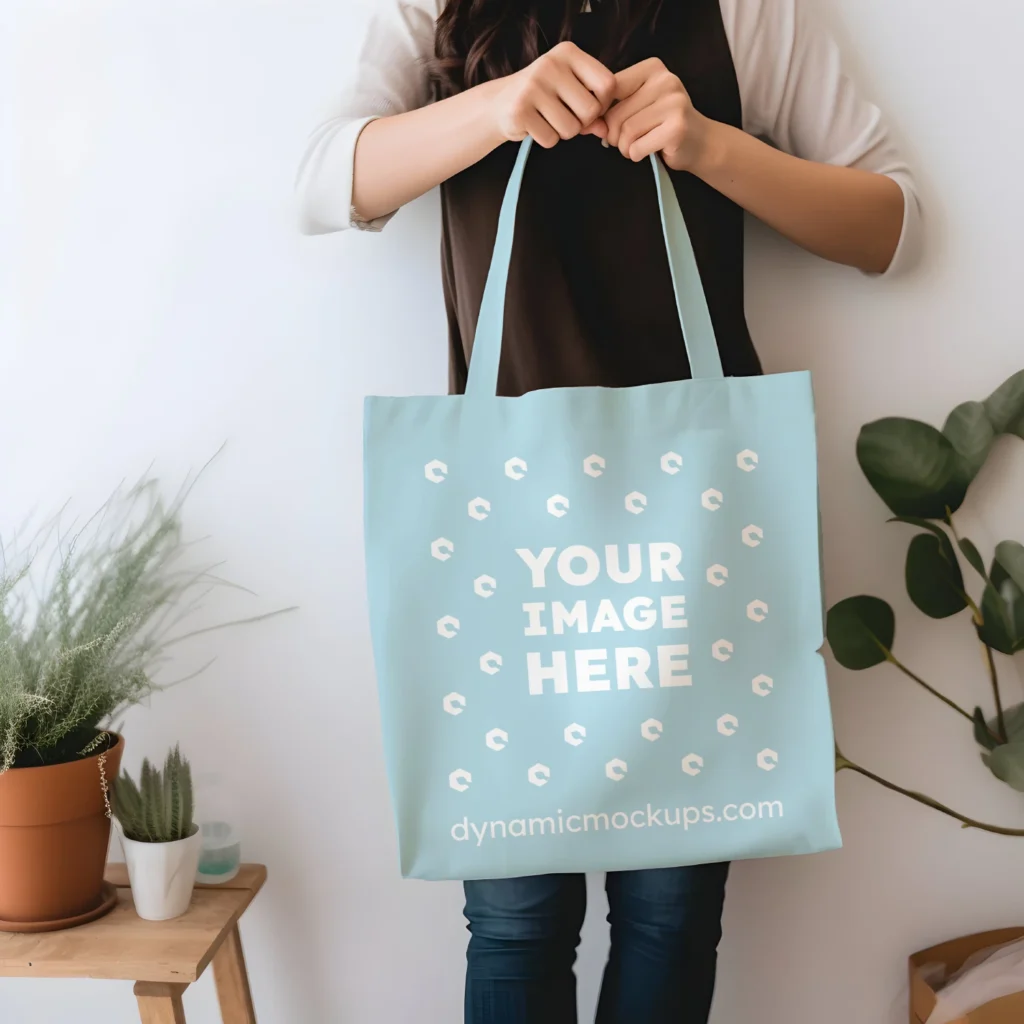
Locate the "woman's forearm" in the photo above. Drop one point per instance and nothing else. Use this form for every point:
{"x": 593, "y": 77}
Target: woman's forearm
{"x": 399, "y": 158}
{"x": 562, "y": 93}
{"x": 840, "y": 213}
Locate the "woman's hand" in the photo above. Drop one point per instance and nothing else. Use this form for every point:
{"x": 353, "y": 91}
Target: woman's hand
{"x": 842, "y": 213}
{"x": 563, "y": 93}
{"x": 655, "y": 115}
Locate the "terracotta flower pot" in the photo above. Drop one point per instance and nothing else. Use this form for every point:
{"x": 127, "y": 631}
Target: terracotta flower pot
{"x": 53, "y": 838}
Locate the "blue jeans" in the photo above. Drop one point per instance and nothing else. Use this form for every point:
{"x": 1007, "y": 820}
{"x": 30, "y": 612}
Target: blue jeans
{"x": 665, "y": 928}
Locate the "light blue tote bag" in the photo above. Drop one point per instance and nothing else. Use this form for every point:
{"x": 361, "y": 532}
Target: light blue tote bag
{"x": 597, "y": 612}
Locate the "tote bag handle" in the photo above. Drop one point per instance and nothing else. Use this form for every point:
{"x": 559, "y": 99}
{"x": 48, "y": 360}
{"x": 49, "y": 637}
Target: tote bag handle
{"x": 691, "y": 303}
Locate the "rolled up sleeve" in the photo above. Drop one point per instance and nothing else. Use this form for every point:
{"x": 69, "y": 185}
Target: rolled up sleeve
{"x": 796, "y": 92}
{"x": 391, "y": 77}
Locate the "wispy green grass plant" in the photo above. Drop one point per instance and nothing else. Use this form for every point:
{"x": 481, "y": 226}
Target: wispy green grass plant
{"x": 88, "y": 619}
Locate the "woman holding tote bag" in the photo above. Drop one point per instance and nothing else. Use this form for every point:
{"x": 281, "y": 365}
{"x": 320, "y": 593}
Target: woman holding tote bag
{"x": 440, "y": 92}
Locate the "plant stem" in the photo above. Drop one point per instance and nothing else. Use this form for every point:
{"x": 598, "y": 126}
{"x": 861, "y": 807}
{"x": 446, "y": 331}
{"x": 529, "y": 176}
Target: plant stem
{"x": 990, "y": 658}
{"x": 979, "y": 621}
{"x": 843, "y": 763}
{"x": 892, "y": 659}
{"x": 975, "y": 610}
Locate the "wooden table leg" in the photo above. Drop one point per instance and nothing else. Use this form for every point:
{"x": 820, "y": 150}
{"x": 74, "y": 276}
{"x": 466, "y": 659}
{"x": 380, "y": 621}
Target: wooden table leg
{"x": 160, "y": 1002}
{"x": 233, "y": 981}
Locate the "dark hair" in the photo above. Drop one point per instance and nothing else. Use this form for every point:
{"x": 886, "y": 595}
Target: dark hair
{"x": 479, "y": 40}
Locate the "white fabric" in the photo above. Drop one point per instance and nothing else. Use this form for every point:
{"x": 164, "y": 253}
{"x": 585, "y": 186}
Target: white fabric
{"x": 1000, "y": 974}
{"x": 793, "y": 87}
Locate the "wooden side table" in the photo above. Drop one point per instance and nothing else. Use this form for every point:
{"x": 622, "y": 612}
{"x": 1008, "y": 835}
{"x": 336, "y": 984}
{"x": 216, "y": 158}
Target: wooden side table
{"x": 162, "y": 957}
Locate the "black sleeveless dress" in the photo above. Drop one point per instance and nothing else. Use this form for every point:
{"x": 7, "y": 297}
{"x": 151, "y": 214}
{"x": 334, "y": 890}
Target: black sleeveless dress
{"x": 590, "y": 299}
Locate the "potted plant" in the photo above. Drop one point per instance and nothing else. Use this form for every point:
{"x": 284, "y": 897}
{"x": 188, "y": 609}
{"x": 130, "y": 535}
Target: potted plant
{"x": 85, "y": 622}
{"x": 923, "y": 474}
{"x": 161, "y": 841}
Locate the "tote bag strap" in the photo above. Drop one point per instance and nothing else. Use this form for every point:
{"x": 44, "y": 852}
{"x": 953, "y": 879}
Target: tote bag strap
{"x": 691, "y": 303}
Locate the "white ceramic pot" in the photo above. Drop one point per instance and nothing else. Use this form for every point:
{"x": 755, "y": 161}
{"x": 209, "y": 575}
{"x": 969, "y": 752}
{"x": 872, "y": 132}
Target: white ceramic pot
{"x": 162, "y": 875}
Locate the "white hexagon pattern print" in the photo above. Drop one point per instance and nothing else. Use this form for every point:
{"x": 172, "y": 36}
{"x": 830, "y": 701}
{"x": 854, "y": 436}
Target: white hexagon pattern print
{"x": 484, "y": 586}
{"x": 448, "y": 626}
{"x": 479, "y": 509}
{"x": 490, "y": 663}
{"x": 757, "y": 611}
{"x": 435, "y": 471}
{"x": 717, "y": 575}
{"x": 636, "y": 502}
{"x": 442, "y": 549}
{"x": 752, "y": 536}
{"x": 712, "y": 499}
{"x": 747, "y": 460}
{"x": 515, "y": 469}
{"x": 558, "y": 505}
{"x": 454, "y": 703}
{"x": 497, "y": 739}
{"x": 728, "y": 724}
{"x": 651, "y": 729}
{"x": 574, "y": 734}
{"x": 671, "y": 463}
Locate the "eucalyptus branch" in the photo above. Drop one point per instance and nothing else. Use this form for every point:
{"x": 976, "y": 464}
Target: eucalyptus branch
{"x": 893, "y": 660}
{"x": 953, "y": 529}
{"x": 994, "y": 676}
{"x": 843, "y": 763}
{"x": 979, "y": 621}
{"x": 976, "y": 615}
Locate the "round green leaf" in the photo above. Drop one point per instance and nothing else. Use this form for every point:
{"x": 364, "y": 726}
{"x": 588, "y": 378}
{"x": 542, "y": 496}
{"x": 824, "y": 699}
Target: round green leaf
{"x": 861, "y": 631}
{"x": 984, "y": 734}
{"x": 920, "y": 471}
{"x": 1005, "y": 406}
{"x": 973, "y": 556}
{"x": 1010, "y": 558}
{"x": 1013, "y": 717}
{"x": 971, "y": 433}
{"x": 934, "y": 580}
{"x": 1013, "y": 601}
{"x": 1002, "y": 612}
{"x": 1005, "y": 601}
{"x": 1007, "y": 764}
{"x": 913, "y": 467}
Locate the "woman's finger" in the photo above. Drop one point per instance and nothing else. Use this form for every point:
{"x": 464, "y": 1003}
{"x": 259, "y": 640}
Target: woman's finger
{"x": 558, "y": 115}
{"x": 654, "y": 141}
{"x": 622, "y": 111}
{"x": 637, "y": 126}
{"x": 596, "y": 78}
{"x": 630, "y": 79}
{"x": 539, "y": 130}
{"x": 578, "y": 98}
{"x": 598, "y": 128}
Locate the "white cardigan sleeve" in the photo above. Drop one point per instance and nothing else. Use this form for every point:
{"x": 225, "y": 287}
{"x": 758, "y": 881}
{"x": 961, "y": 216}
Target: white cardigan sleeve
{"x": 391, "y": 76}
{"x": 792, "y": 85}
{"x": 796, "y": 93}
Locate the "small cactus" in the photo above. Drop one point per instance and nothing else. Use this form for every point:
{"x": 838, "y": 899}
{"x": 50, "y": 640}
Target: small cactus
{"x": 159, "y": 808}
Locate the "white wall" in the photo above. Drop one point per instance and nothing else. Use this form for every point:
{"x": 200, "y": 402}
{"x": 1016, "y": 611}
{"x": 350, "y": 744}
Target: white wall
{"x": 156, "y": 300}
